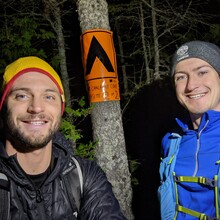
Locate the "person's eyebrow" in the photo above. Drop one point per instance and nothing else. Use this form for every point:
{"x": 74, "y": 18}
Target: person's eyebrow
{"x": 194, "y": 69}
{"x": 15, "y": 89}
{"x": 199, "y": 67}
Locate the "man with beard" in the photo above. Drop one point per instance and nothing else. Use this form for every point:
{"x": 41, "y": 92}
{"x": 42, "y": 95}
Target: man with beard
{"x": 35, "y": 158}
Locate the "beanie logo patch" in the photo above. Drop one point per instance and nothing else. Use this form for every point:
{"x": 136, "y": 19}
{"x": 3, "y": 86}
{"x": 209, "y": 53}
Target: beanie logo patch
{"x": 182, "y": 52}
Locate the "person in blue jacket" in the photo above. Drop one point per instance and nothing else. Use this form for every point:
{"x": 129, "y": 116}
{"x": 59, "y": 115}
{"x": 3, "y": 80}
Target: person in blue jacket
{"x": 190, "y": 174}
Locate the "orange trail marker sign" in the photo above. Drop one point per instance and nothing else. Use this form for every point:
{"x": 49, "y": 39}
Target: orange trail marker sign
{"x": 100, "y": 67}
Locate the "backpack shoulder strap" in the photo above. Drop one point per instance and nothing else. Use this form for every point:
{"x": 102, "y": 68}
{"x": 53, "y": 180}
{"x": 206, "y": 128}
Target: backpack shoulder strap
{"x": 168, "y": 163}
{"x": 174, "y": 144}
{"x": 4, "y": 197}
{"x": 74, "y": 185}
{"x": 79, "y": 174}
{"x": 174, "y": 149}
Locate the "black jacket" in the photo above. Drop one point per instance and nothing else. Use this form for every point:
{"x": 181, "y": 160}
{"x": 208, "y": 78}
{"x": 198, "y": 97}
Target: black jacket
{"x": 50, "y": 201}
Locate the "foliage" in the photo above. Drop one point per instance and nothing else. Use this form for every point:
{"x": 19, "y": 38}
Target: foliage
{"x": 69, "y": 129}
{"x": 214, "y": 33}
{"x": 86, "y": 150}
{"x": 133, "y": 166}
{"x": 23, "y": 32}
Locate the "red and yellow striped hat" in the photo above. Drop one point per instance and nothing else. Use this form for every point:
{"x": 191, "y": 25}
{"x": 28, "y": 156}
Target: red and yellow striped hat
{"x": 25, "y": 65}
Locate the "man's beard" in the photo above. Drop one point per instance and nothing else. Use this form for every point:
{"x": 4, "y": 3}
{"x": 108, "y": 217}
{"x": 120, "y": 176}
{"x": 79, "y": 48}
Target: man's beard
{"x": 24, "y": 143}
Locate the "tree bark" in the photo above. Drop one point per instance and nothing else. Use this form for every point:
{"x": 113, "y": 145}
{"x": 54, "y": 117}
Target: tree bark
{"x": 53, "y": 15}
{"x": 123, "y": 67}
{"x": 106, "y": 118}
{"x": 142, "y": 27}
{"x": 156, "y": 43}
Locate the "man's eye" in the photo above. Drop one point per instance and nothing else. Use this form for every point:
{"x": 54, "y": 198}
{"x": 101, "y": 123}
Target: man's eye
{"x": 50, "y": 97}
{"x": 180, "y": 77}
{"x": 203, "y": 72}
{"x": 21, "y": 97}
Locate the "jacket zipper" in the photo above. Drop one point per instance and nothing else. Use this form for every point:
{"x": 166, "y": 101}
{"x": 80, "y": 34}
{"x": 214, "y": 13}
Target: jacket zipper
{"x": 197, "y": 150}
{"x": 39, "y": 198}
{"x": 40, "y": 205}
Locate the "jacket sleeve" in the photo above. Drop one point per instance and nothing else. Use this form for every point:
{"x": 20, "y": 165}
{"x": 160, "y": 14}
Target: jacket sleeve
{"x": 98, "y": 200}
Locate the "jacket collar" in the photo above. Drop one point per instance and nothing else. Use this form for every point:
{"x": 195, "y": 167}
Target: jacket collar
{"x": 208, "y": 119}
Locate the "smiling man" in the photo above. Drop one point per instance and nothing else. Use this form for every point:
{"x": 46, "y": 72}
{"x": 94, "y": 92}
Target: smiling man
{"x": 189, "y": 169}
{"x": 37, "y": 161}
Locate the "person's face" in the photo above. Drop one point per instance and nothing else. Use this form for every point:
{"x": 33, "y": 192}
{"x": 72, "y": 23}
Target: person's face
{"x": 197, "y": 86}
{"x": 33, "y": 112}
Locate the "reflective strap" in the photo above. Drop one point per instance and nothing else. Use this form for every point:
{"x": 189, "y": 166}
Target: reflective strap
{"x": 171, "y": 159}
{"x": 216, "y": 197}
{"x": 201, "y": 180}
{"x": 200, "y": 216}
{"x": 176, "y": 191}
{"x": 194, "y": 179}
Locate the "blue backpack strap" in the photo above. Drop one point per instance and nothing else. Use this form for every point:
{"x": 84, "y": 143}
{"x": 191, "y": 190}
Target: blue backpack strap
{"x": 174, "y": 143}
{"x": 4, "y": 197}
{"x": 168, "y": 163}
{"x": 173, "y": 149}
{"x": 166, "y": 191}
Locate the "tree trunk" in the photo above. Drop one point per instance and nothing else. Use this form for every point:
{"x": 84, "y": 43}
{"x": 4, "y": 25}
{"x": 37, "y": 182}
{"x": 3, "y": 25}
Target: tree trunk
{"x": 53, "y": 15}
{"x": 142, "y": 26}
{"x": 156, "y": 44}
{"x": 123, "y": 68}
{"x": 106, "y": 118}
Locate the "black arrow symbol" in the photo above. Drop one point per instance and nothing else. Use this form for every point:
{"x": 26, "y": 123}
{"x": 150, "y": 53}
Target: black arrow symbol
{"x": 96, "y": 50}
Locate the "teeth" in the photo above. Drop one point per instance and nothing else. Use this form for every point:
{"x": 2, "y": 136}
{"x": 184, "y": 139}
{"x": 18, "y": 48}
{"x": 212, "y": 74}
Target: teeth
{"x": 37, "y": 122}
{"x": 196, "y": 96}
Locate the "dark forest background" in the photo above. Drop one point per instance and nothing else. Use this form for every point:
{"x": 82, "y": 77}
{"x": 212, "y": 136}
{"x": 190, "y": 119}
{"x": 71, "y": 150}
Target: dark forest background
{"x": 146, "y": 34}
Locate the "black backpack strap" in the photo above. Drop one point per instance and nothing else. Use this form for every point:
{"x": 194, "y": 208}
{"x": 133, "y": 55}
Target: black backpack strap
{"x": 80, "y": 176}
{"x": 73, "y": 181}
{"x": 4, "y": 197}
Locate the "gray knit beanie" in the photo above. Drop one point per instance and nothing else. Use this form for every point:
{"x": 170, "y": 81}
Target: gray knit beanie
{"x": 197, "y": 49}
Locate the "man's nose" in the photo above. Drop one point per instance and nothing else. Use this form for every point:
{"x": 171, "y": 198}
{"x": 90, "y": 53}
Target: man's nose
{"x": 192, "y": 83}
{"x": 36, "y": 105}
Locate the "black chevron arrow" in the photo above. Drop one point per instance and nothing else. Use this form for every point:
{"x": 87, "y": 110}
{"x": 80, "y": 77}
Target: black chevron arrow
{"x": 96, "y": 50}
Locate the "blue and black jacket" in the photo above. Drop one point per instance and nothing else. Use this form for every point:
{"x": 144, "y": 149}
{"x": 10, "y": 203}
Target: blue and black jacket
{"x": 193, "y": 170}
